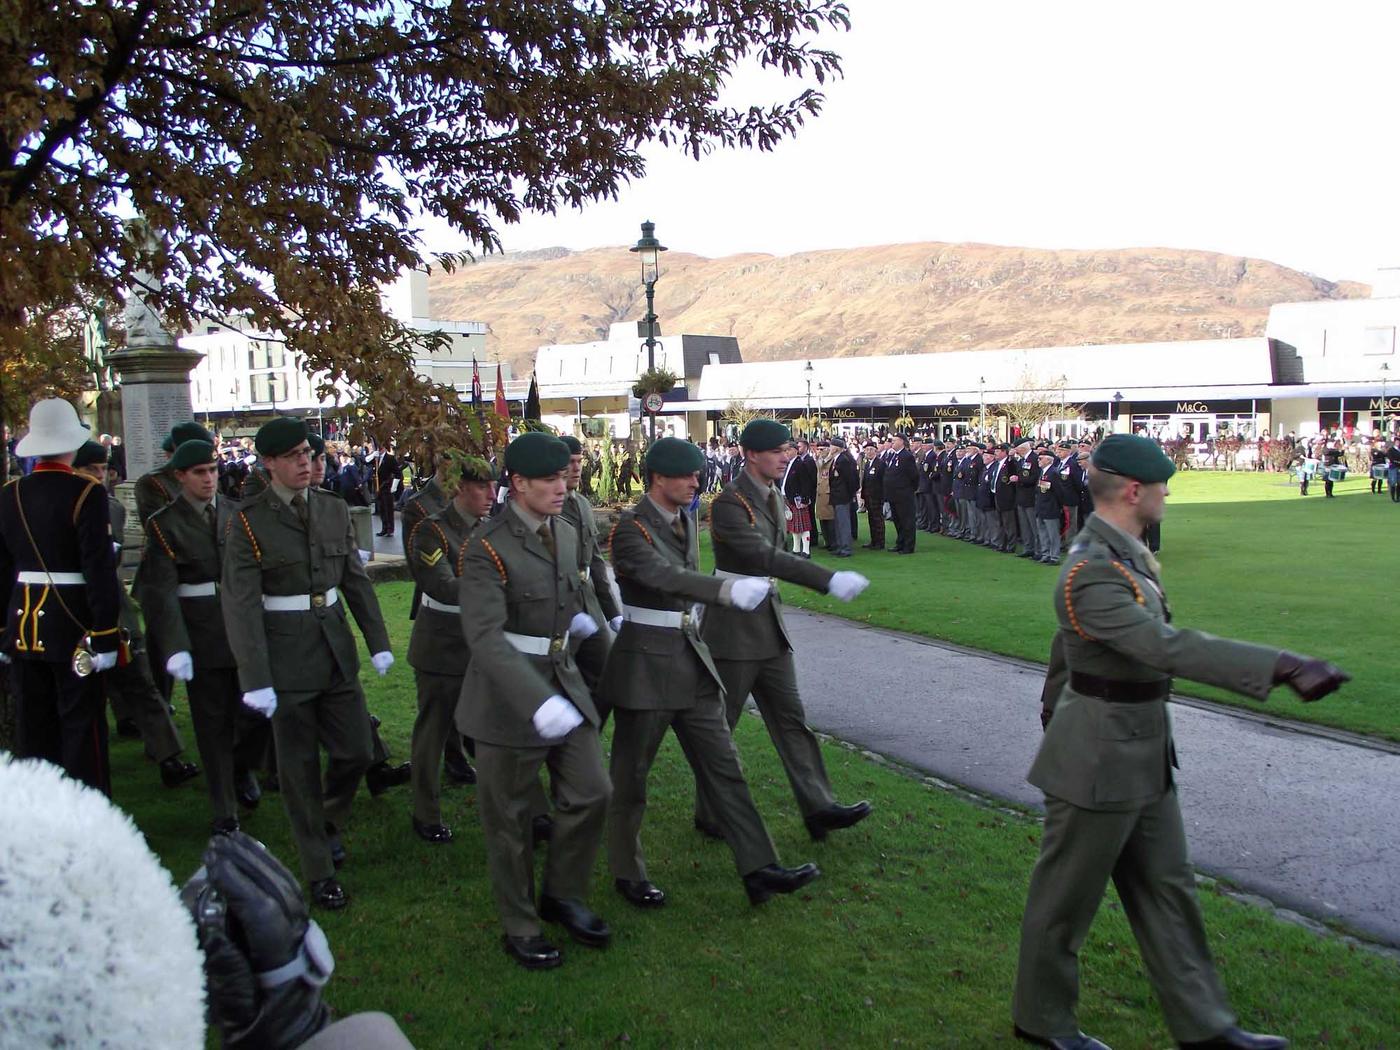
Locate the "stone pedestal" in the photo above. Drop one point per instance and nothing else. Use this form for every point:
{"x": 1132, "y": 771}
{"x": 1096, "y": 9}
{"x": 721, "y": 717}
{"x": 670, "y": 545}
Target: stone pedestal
{"x": 155, "y": 385}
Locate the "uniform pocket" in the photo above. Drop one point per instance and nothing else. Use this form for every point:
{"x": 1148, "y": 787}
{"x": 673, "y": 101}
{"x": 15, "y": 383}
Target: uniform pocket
{"x": 1131, "y": 721}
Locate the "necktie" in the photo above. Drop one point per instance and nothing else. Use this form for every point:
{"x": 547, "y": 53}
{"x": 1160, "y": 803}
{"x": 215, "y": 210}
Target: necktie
{"x": 547, "y": 538}
{"x": 209, "y": 519}
{"x": 678, "y": 526}
{"x": 299, "y": 505}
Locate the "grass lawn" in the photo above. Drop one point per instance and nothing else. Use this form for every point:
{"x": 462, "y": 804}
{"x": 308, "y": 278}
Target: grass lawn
{"x": 909, "y": 938}
{"x": 1243, "y": 555}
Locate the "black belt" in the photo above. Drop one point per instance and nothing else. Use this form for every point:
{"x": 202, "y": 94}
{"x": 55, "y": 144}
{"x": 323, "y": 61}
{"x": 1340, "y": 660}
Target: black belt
{"x": 1119, "y": 692}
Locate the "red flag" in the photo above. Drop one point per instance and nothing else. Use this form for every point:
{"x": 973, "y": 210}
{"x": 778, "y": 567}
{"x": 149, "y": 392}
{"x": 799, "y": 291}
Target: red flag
{"x": 476, "y": 383}
{"x": 502, "y": 409}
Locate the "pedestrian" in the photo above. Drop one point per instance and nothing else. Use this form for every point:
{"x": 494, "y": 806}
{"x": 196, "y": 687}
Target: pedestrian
{"x": 181, "y": 566}
{"x": 901, "y": 491}
{"x": 800, "y": 490}
{"x": 290, "y": 569}
{"x": 661, "y": 675}
{"x": 56, "y": 557}
{"x": 1026, "y": 479}
{"x": 1105, "y": 766}
{"x": 843, "y": 483}
{"x": 526, "y": 705}
{"x": 872, "y": 493}
{"x": 388, "y": 476}
{"x": 753, "y": 654}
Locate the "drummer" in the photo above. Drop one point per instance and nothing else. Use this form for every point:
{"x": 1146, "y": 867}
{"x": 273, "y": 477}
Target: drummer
{"x": 1333, "y": 466}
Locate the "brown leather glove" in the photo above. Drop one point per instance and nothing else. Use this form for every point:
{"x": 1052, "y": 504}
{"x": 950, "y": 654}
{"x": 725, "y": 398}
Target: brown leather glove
{"x": 1310, "y": 679}
{"x": 1046, "y": 713}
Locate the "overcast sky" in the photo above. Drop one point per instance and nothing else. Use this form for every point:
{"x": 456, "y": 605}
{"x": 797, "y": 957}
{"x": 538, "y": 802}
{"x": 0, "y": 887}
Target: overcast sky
{"x": 1259, "y": 129}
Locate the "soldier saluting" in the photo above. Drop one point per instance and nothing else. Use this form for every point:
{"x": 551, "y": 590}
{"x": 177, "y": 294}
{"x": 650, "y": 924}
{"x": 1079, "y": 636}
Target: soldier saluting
{"x": 290, "y": 568}
{"x": 525, "y": 704}
{"x": 660, "y": 675}
{"x": 753, "y": 653}
{"x": 1106, "y": 768}
{"x": 58, "y": 570}
{"x": 181, "y": 565}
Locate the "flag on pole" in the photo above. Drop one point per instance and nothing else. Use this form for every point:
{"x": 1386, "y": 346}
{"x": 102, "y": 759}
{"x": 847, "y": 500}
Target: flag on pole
{"x": 532, "y": 400}
{"x": 502, "y": 409}
{"x": 476, "y": 384}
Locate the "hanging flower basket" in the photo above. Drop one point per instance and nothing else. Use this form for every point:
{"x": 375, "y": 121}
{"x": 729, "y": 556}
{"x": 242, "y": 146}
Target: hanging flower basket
{"x": 654, "y": 381}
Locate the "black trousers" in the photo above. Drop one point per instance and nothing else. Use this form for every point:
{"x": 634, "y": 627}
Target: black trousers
{"x": 384, "y": 503}
{"x": 875, "y": 511}
{"x": 902, "y": 511}
{"x": 62, "y": 719}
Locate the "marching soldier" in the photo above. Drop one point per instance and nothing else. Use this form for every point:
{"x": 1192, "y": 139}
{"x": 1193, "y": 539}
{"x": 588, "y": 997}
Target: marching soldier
{"x": 426, "y": 502}
{"x": 436, "y": 650}
{"x": 181, "y": 566}
{"x": 598, "y": 599}
{"x": 525, "y": 704}
{"x": 661, "y": 675}
{"x": 753, "y": 654}
{"x": 1105, "y": 766}
{"x": 58, "y": 570}
{"x": 156, "y": 488}
{"x": 130, "y": 687}
{"x": 290, "y": 568}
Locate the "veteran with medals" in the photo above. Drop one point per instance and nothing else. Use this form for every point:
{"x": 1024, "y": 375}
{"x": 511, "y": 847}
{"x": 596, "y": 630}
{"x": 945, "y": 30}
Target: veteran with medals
{"x": 525, "y": 704}
{"x": 1105, "y": 766}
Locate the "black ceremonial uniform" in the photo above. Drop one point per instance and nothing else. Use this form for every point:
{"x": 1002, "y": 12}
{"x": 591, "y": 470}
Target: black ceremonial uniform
{"x": 60, "y": 575}
{"x": 872, "y": 490}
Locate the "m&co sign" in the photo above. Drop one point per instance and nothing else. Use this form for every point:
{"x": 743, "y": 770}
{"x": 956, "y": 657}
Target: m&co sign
{"x": 1193, "y": 406}
{"x": 1392, "y": 404}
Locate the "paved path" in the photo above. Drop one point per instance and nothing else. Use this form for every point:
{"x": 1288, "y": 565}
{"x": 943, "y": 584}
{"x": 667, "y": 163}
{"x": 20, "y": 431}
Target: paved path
{"x": 1309, "y": 822}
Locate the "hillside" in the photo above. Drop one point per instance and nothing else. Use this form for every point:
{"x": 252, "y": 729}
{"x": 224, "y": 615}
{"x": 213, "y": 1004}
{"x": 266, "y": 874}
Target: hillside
{"x": 889, "y": 299}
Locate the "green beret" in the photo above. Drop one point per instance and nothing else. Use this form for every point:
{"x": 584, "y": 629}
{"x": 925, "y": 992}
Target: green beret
{"x": 167, "y": 444}
{"x": 317, "y": 443}
{"x": 90, "y": 454}
{"x": 192, "y": 454}
{"x": 575, "y": 445}
{"x": 188, "y": 431}
{"x": 764, "y": 435}
{"x": 674, "y": 458}
{"x": 279, "y": 436}
{"x": 536, "y": 454}
{"x": 1133, "y": 456}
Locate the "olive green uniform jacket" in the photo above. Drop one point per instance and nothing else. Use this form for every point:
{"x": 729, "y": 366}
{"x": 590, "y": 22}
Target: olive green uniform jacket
{"x": 1115, "y": 624}
{"x": 180, "y": 548}
{"x": 424, "y": 503}
{"x": 747, "y": 528}
{"x": 435, "y": 549}
{"x": 511, "y": 582}
{"x": 649, "y": 668}
{"x": 154, "y": 490}
{"x": 598, "y": 599}
{"x": 271, "y": 552}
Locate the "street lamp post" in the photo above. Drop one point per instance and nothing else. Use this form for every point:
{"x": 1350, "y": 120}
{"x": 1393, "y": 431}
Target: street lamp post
{"x": 649, "y": 250}
{"x": 982, "y": 407}
{"x": 819, "y": 399}
{"x": 1117, "y": 400}
{"x": 903, "y": 399}
{"x": 808, "y": 372}
{"x": 1385, "y": 367}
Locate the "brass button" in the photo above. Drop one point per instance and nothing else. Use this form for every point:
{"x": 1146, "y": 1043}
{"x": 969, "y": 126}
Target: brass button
{"x": 318, "y": 600}
{"x": 556, "y": 644}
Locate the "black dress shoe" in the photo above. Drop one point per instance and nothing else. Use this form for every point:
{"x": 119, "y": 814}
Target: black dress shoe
{"x": 432, "y": 832}
{"x": 224, "y": 826}
{"x": 247, "y": 791}
{"x": 533, "y": 953}
{"x": 1063, "y": 1042}
{"x": 541, "y": 828}
{"x": 774, "y": 878}
{"x": 459, "y": 772}
{"x": 1235, "y": 1039}
{"x": 583, "y": 924}
{"x": 835, "y": 817}
{"x": 381, "y": 777}
{"x": 641, "y": 893}
{"x": 127, "y": 728}
{"x": 329, "y": 894}
{"x": 174, "y": 772}
{"x": 709, "y": 830}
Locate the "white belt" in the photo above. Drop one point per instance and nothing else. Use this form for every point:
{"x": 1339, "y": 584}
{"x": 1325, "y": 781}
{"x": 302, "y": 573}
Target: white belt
{"x": 299, "y": 602}
{"x": 535, "y": 645}
{"x": 38, "y": 576}
{"x": 429, "y": 602}
{"x": 654, "y": 617}
{"x": 198, "y": 590}
{"x": 725, "y": 574}
{"x": 585, "y": 574}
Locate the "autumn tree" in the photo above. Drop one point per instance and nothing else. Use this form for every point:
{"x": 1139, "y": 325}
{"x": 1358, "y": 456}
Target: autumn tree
{"x": 286, "y": 154}
{"x": 1035, "y": 400}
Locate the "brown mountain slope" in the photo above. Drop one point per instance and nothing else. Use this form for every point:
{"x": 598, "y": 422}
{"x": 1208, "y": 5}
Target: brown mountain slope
{"x": 897, "y": 298}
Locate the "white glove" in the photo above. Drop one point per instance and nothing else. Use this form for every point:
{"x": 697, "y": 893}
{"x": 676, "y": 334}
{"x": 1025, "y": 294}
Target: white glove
{"x": 846, "y": 585}
{"x": 556, "y": 718}
{"x": 104, "y": 661}
{"x": 365, "y": 556}
{"x": 180, "y": 666}
{"x": 748, "y": 592}
{"x": 582, "y": 626}
{"x": 382, "y": 662}
{"x": 263, "y": 701}
{"x": 615, "y": 623}
{"x": 4, "y": 659}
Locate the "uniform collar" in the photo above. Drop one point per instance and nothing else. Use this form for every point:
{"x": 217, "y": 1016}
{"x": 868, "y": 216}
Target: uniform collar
{"x": 200, "y": 504}
{"x": 532, "y": 521}
{"x": 283, "y": 493}
{"x": 1125, "y": 545}
{"x": 51, "y": 467}
{"x": 669, "y": 517}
